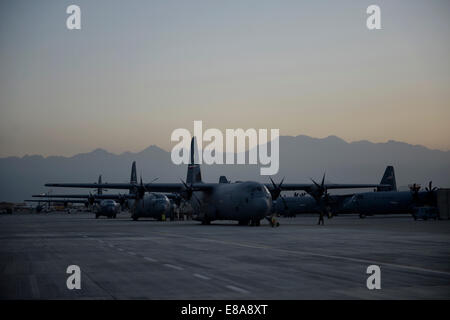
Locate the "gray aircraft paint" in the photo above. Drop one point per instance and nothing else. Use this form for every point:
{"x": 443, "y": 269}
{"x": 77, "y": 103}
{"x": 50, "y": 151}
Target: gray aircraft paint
{"x": 340, "y": 204}
{"x": 150, "y": 205}
{"x": 108, "y": 208}
{"x": 242, "y": 201}
{"x": 387, "y": 202}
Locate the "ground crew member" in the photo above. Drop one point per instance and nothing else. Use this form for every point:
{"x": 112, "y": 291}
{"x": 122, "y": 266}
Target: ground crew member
{"x": 320, "y": 218}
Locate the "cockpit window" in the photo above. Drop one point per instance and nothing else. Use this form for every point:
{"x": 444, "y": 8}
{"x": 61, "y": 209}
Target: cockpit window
{"x": 265, "y": 190}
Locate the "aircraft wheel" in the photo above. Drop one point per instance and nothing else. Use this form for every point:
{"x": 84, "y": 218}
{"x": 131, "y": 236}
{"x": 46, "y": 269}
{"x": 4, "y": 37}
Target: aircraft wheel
{"x": 135, "y": 218}
{"x": 362, "y": 216}
{"x": 114, "y": 216}
{"x": 243, "y": 222}
{"x": 96, "y": 216}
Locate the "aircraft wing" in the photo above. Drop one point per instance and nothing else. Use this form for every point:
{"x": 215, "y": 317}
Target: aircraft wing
{"x": 86, "y": 196}
{"x": 310, "y": 186}
{"x": 352, "y": 186}
{"x": 74, "y": 196}
{"x": 59, "y": 201}
{"x": 149, "y": 187}
{"x": 177, "y": 187}
{"x": 93, "y": 185}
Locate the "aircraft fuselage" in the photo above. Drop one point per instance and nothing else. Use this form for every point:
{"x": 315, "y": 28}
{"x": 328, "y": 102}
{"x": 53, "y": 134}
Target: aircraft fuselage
{"x": 388, "y": 202}
{"x": 152, "y": 205}
{"x": 242, "y": 201}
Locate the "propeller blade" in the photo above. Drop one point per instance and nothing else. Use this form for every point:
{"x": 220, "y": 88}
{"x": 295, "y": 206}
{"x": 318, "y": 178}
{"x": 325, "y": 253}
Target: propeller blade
{"x": 276, "y": 189}
{"x": 315, "y": 183}
{"x": 273, "y": 183}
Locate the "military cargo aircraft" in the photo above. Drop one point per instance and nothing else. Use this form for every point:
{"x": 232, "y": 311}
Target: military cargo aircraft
{"x": 336, "y": 204}
{"x": 389, "y": 202}
{"x": 246, "y": 202}
{"x": 140, "y": 203}
{"x": 108, "y": 208}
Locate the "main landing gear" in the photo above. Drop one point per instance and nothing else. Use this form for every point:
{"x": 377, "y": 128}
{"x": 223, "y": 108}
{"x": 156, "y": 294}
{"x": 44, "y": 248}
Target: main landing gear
{"x": 273, "y": 222}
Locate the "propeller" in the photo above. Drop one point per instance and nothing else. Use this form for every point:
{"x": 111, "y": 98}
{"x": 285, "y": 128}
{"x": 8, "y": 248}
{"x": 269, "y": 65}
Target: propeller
{"x": 431, "y": 195}
{"x": 321, "y": 196}
{"x": 276, "y": 189}
{"x": 91, "y": 199}
{"x": 415, "y": 188}
{"x": 318, "y": 190}
{"x": 189, "y": 192}
{"x": 140, "y": 190}
{"x": 430, "y": 187}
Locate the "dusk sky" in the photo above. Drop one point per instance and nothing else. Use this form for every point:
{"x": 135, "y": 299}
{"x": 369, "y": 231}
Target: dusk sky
{"x": 137, "y": 70}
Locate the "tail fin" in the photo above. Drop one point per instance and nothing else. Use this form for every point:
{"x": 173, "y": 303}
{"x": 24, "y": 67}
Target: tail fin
{"x": 388, "y": 178}
{"x": 133, "y": 178}
{"x": 100, "y": 190}
{"x": 194, "y": 174}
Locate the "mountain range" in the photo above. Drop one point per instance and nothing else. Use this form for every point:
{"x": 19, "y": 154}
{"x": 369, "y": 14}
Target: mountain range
{"x": 301, "y": 158}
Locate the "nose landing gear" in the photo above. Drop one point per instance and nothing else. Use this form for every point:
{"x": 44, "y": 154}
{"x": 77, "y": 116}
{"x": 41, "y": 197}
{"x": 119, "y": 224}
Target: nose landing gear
{"x": 273, "y": 222}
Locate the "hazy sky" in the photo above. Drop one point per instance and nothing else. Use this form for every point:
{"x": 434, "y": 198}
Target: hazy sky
{"x": 137, "y": 70}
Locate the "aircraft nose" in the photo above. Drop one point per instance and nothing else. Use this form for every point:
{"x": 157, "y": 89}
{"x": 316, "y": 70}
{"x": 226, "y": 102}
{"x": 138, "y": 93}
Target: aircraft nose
{"x": 163, "y": 206}
{"x": 262, "y": 206}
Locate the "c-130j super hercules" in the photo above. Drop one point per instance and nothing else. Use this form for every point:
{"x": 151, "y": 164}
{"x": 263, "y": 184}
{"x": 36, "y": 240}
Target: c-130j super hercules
{"x": 246, "y": 202}
{"x": 141, "y": 204}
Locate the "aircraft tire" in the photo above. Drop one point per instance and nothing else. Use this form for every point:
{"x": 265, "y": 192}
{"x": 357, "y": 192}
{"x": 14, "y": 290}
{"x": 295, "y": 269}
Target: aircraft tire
{"x": 135, "y": 218}
{"x": 96, "y": 216}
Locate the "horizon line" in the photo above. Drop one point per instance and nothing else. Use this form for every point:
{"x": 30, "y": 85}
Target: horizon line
{"x": 154, "y": 145}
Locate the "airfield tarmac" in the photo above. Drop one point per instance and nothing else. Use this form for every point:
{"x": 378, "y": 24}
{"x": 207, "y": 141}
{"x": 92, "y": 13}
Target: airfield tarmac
{"x": 124, "y": 259}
